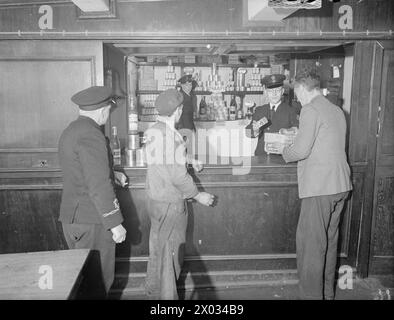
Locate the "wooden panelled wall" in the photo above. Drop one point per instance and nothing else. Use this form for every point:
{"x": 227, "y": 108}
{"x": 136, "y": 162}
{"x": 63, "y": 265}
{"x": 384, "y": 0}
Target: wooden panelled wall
{"x": 381, "y": 257}
{"x": 38, "y": 80}
{"x": 195, "y": 16}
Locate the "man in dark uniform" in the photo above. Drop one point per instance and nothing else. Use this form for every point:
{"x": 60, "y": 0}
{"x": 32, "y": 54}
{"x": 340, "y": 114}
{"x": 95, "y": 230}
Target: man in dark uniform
{"x": 89, "y": 209}
{"x": 189, "y": 102}
{"x": 185, "y": 125}
{"x": 272, "y": 116}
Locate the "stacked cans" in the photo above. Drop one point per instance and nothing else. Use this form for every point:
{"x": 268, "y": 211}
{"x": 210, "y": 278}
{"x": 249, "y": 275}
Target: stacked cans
{"x": 135, "y": 154}
{"x": 134, "y": 145}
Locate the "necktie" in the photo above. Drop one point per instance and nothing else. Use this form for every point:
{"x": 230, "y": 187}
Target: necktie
{"x": 272, "y": 111}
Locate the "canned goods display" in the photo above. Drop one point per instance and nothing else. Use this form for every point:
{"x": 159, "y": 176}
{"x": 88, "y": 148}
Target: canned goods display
{"x": 140, "y": 157}
{"x": 134, "y": 141}
{"x": 131, "y": 158}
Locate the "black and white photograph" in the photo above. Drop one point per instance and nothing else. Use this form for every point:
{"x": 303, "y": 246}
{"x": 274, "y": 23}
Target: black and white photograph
{"x": 196, "y": 157}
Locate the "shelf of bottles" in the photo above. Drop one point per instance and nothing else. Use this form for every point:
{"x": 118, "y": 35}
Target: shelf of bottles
{"x": 212, "y": 87}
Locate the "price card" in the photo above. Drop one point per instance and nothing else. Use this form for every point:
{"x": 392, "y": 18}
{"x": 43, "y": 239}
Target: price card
{"x": 335, "y": 71}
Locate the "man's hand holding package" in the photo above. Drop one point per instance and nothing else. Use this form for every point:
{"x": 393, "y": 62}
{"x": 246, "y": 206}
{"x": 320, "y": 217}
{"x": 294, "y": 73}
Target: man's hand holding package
{"x": 118, "y": 233}
{"x": 278, "y": 147}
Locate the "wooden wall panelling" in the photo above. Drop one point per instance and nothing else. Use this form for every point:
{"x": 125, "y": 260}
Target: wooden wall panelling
{"x": 253, "y": 225}
{"x": 114, "y": 60}
{"x": 385, "y": 152}
{"x": 350, "y": 223}
{"x": 366, "y": 88}
{"x": 382, "y": 243}
{"x": 38, "y": 81}
{"x": 36, "y": 101}
{"x": 28, "y": 221}
{"x": 196, "y": 16}
{"x": 364, "y": 55}
{"x": 255, "y": 221}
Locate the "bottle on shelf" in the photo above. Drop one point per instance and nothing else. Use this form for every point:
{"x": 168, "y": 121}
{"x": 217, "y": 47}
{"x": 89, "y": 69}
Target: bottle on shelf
{"x": 233, "y": 109}
{"x": 249, "y": 110}
{"x": 132, "y": 117}
{"x": 115, "y": 146}
{"x": 240, "y": 113}
{"x": 203, "y": 109}
{"x": 226, "y": 110}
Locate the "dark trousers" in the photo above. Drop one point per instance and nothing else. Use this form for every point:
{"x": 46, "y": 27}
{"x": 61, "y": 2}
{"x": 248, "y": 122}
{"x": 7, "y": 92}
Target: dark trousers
{"x": 166, "y": 248}
{"x": 316, "y": 241}
{"x": 102, "y": 267}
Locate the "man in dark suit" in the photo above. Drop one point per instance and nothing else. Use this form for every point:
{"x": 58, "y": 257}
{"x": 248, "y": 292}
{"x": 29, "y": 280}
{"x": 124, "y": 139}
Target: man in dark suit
{"x": 89, "y": 209}
{"x": 187, "y": 85}
{"x": 273, "y": 116}
{"x": 323, "y": 184}
{"x": 185, "y": 125}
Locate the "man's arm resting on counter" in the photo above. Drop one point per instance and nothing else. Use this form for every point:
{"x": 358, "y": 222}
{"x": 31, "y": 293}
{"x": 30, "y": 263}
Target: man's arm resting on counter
{"x": 305, "y": 138}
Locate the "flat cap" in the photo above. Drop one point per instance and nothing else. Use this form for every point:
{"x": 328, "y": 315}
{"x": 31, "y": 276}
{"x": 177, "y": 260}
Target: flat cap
{"x": 188, "y": 78}
{"x": 92, "y": 98}
{"x": 273, "y": 80}
{"x": 167, "y": 102}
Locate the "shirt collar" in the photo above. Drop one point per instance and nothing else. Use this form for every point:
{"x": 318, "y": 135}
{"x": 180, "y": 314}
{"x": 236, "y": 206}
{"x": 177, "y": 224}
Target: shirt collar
{"x": 275, "y": 105}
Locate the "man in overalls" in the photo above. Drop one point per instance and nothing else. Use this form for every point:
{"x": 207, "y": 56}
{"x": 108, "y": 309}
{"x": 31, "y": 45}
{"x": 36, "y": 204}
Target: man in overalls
{"x": 168, "y": 185}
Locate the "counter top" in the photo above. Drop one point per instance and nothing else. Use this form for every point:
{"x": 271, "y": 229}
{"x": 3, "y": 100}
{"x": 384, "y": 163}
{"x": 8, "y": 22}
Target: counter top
{"x": 266, "y": 161}
{"x": 41, "y": 275}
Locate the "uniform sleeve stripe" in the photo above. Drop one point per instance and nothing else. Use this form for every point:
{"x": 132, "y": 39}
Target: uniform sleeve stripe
{"x": 110, "y": 213}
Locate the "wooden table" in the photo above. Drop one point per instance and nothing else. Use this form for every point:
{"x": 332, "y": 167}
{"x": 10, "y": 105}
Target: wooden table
{"x": 53, "y": 275}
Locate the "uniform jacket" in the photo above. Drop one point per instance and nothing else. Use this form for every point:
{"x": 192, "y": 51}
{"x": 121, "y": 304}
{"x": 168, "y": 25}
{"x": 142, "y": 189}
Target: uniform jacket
{"x": 88, "y": 194}
{"x": 167, "y": 178}
{"x": 284, "y": 117}
{"x": 319, "y": 148}
{"x": 189, "y": 104}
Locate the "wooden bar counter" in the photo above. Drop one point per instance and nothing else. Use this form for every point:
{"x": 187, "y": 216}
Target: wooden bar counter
{"x": 252, "y": 226}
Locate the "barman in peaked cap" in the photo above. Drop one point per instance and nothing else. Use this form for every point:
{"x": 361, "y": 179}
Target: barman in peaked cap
{"x": 89, "y": 209}
{"x": 272, "y": 116}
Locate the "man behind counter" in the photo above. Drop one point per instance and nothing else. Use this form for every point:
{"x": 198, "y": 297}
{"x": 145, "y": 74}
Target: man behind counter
{"x": 189, "y": 102}
{"x": 272, "y": 116}
{"x": 185, "y": 125}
